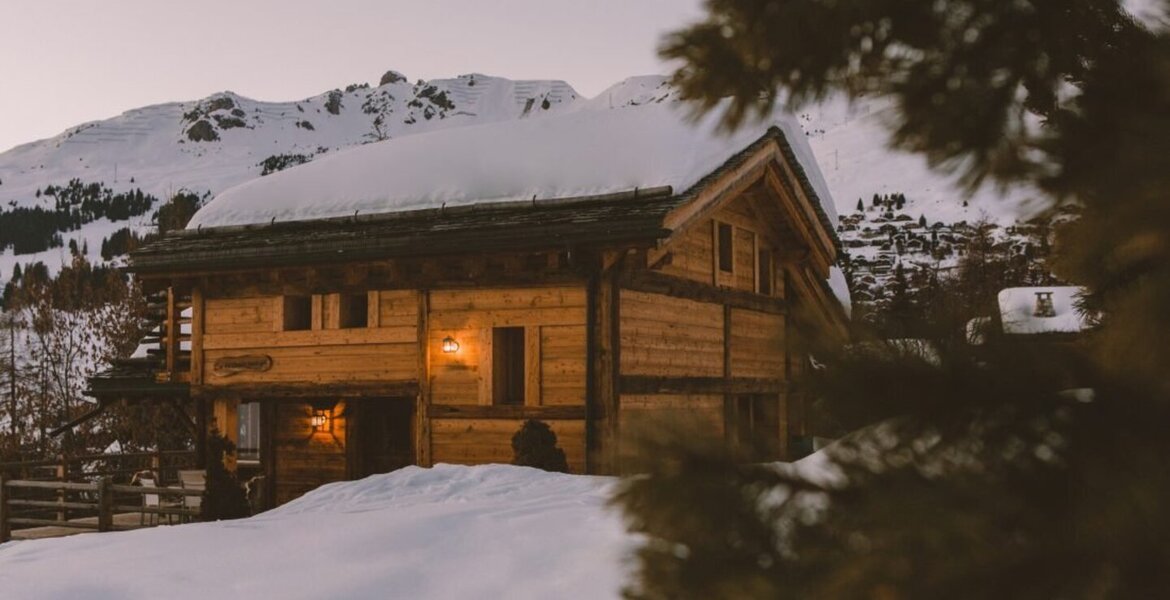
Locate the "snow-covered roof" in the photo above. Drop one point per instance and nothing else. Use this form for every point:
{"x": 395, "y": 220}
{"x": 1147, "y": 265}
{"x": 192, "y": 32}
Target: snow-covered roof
{"x": 1020, "y": 312}
{"x": 587, "y": 152}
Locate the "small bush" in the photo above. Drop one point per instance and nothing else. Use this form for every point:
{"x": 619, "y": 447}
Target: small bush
{"x": 535, "y": 445}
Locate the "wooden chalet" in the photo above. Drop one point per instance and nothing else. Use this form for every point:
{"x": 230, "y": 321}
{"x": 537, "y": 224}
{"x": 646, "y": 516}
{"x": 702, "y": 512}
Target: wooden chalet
{"x": 334, "y": 348}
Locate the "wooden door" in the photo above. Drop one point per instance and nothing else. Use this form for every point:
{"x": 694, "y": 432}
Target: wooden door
{"x": 383, "y": 436}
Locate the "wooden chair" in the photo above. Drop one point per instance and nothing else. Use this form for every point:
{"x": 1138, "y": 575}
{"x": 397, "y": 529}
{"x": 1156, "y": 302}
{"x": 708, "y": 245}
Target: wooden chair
{"x": 154, "y": 501}
{"x": 195, "y": 479}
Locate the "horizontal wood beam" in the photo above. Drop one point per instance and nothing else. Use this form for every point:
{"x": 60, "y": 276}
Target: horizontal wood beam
{"x": 261, "y": 391}
{"x": 310, "y": 338}
{"x": 540, "y": 413}
{"x": 649, "y": 384}
{"x": 677, "y": 287}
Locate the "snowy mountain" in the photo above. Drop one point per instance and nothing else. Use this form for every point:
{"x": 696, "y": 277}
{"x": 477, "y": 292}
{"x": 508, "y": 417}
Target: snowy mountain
{"x": 208, "y": 145}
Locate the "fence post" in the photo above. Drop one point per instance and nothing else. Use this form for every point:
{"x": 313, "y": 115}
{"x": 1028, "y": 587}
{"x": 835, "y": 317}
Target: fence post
{"x": 5, "y": 530}
{"x": 105, "y": 500}
{"x": 62, "y": 476}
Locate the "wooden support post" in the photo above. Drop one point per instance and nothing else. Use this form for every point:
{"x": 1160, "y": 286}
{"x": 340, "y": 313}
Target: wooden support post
{"x": 730, "y": 414}
{"x": 5, "y": 530}
{"x": 105, "y": 499}
{"x": 172, "y": 330}
{"x": 201, "y": 433}
{"x": 197, "y": 317}
{"x": 423, "y": 454}
{"x": 62, "y": 476}
{"x": 532, "y": 360}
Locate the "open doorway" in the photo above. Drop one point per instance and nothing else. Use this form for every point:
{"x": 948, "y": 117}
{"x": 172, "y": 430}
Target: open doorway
{"x": 381, "y": 436}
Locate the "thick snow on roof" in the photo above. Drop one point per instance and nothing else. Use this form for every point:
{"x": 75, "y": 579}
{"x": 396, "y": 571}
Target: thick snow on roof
{"x": 840, "y": 286}
{"x": 581, "y": 153}
{"x": 1018, "y": 308}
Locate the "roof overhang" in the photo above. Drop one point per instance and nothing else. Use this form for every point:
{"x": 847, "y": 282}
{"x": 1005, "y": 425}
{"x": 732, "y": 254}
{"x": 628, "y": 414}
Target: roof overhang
{"x": 628, "y": 218}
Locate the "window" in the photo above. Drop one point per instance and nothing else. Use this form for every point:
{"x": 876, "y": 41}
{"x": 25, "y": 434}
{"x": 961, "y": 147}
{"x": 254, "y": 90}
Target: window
{"x": 355, "y": 310}
{"x": 723, "y": 245}
{"x": 298, "y": 313}
{"x": 764, "y": 264}
{"x": 508, "y": 366}
{"x": 248, "y": 448}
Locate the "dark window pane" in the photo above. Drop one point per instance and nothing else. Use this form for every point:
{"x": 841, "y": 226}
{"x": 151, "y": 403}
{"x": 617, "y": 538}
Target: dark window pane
{"x": 508, "y": 365}
{"x": 765, "y": 265}
{"x": 355, "y": 310}
{"x": 298, "y": 313}
{"x": 726, "y": 252}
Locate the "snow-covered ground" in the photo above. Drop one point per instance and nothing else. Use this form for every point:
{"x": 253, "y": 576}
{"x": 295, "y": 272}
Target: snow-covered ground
{"x": 491, "y": 531}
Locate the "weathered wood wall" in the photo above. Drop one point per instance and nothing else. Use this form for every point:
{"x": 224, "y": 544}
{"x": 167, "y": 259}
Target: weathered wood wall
{"x": 692, "y": 252}
{"x": 757, "y": 344}
{"x": 554, "y": 322}
{"x": 478, "y": 441}
{"x": 666, "y": 336}
{"x": 651, "y": 410}
{"x": 699, "y": 346}
{"x": 387, "y": 350}
{"x": 306, "y": 459}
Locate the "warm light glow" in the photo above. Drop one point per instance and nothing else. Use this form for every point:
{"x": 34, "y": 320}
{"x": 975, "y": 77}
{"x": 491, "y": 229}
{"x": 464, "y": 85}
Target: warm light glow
{"x": 320, "y": 419}
{"x": 450, "y": 345}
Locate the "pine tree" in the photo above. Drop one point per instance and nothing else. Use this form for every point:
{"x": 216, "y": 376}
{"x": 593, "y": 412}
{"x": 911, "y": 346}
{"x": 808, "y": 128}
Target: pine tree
{"x": 860, "y": 206}
{"x": 984, "y": 479}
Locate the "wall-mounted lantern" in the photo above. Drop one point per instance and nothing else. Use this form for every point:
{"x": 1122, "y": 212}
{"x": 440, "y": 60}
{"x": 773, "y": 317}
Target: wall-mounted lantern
{"x": 321, "y": 417}
{"x": 450, "y": 345}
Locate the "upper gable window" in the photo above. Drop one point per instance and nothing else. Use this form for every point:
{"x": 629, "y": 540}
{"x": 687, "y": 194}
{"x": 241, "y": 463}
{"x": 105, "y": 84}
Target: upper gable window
{"x": 355, "y": 311}
{"x": 764, "y": 277}
{"x": 298, "y": 313}
{"x": 724, "y": 247}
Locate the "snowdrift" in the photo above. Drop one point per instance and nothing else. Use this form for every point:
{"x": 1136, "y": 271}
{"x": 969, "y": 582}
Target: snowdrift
{"x": 491, "y": 531}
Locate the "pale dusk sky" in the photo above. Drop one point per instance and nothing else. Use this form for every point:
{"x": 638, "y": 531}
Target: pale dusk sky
{"x": 66, "y": 62}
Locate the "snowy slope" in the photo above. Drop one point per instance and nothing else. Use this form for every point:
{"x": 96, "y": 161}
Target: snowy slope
{"x": 153, "y": 149}
{"x": 489, "y": 531}
{"x": 850, "y": 142}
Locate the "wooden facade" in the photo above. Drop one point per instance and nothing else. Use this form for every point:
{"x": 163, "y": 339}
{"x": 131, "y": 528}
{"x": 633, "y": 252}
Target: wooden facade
{"x": 593, "y": 316}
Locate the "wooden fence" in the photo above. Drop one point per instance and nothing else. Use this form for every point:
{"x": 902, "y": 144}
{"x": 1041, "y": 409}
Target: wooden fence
{"x": 89, "y": 467}
{"x": 86, "y": 492}
{"x": 86, "y": 506}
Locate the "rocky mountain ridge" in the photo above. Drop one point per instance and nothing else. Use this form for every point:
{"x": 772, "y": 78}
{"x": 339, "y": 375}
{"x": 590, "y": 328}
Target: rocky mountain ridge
{"x": 202, "y": 147}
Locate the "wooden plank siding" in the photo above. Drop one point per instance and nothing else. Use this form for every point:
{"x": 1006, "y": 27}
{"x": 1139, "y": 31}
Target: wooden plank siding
{"x": 692, "y": 253}
{"x": 666, "y": 336}
{"x": 478, "y": 441}
{"x": 650, "y": 410}
{"x": 554, "y": 322}
{"x": 305, "y": 459}
{"x": 757, "y": 345}
{"x": 323, "y": 354}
